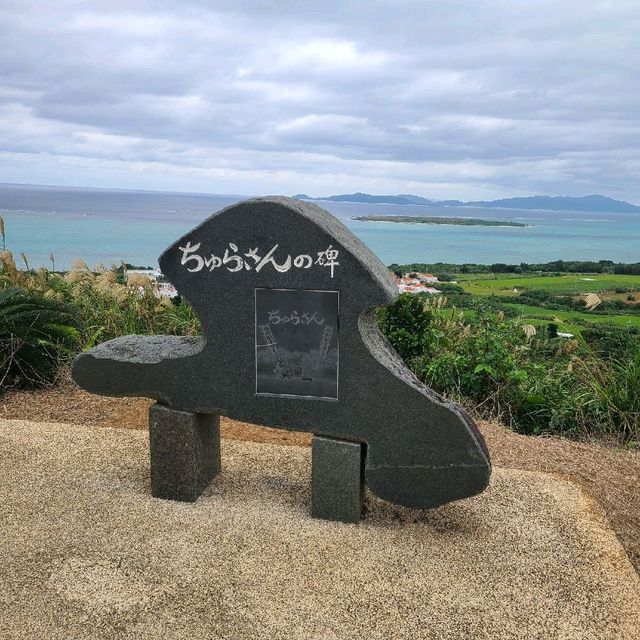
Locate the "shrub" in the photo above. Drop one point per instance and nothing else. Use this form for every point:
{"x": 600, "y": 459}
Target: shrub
{"x": 509, "y": 371}
{"x": 46, "y": 318}
{"x": 35, "y": 333}
{"x": 406, "y": 325}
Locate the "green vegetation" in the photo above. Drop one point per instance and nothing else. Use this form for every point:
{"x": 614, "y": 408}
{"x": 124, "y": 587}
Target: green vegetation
{"x": 526, "y": 376}
{"x": 46, "y": 318}
{"x": 546, "y": 348}
{"x": 567, "y": 284}
{"x": 564, "y": 299}
{"x": 34, "y": 331}
{"x": 477, "y": 222}
{"x": 571, "y": 321}
{"x": 572, "y": 300}
{"x": 492, "y": 341}
{"x": 555, "y": 267}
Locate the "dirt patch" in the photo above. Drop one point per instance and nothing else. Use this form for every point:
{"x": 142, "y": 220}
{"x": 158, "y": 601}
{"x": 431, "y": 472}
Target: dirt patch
{"x": 68, "y": 403}
{"x": 611, "y": 477}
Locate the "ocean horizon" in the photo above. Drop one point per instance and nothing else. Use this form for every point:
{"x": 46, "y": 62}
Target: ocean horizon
{"x": 112, "y": 225}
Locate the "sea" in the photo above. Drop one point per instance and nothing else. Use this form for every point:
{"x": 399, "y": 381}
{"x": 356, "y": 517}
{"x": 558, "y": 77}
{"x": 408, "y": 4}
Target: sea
{"x": 109, "y": 226}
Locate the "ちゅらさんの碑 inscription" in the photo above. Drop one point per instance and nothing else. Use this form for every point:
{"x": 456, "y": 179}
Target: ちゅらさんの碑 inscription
{"x": 234, "y": 261}
{"x": 286, "y": 295}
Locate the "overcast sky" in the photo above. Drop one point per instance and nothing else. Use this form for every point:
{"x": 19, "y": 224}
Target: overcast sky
{"x": 468, "y": 98}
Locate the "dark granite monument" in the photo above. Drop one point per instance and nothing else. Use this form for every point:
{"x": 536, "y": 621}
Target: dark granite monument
{"x": 286, "y": 296}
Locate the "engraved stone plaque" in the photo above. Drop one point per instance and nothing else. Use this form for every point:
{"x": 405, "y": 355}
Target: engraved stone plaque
{"x": 286, "y": 297}
{"x": 297, "y": 342}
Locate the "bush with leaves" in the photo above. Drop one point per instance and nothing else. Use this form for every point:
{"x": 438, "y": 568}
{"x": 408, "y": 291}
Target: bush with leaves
{"x": 407, "y": 325}
{"x": 48, "y": 317}
{"x": 506, "y": 370}
{"x": 35, "y": 333}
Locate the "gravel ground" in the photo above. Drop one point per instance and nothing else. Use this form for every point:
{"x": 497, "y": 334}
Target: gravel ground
{"x": 610, "y": 475}
{"x": 86, "y": 553}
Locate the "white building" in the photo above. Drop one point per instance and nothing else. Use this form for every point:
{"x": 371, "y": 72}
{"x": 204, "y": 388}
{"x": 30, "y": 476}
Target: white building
{"x": 161, "y": 289}
{"x": 417, "y": 283}
{"x": 416, "y": 288}
{"x": 165, "y": 290}
{"x": 152, "y": 274}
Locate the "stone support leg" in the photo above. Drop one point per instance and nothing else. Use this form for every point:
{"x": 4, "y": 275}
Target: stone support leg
{"x": 185, "y": 452}
{"x": 337, "y": 479}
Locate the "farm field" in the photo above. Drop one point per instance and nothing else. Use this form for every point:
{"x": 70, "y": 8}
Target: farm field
{"x": 527, "y": 311}
{"x": 538, "y": 315}
{"x": 570, "y": 321}
{"x": 566, "y": 284}
{"x": 571, "y": 284}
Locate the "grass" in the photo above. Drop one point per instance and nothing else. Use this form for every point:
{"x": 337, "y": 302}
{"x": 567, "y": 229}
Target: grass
{"x": 567, "y": 284}
{"x": 570, "y": 317}
{"x": 483, "y": 285}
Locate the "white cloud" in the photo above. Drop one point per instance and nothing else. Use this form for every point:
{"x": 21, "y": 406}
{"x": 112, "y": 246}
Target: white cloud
{"x": 329, "y": 55}
{"x": 459, "y": 99}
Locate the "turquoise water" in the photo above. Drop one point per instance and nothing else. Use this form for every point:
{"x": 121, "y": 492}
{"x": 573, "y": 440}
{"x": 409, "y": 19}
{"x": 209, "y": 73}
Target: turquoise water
{"x": 110, "y": 226}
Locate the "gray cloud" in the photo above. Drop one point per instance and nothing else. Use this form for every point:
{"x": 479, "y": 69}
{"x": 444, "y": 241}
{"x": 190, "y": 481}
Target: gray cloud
{"x": 446, "y": 99}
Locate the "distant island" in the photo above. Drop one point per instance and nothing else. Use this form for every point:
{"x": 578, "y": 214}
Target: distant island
{"x": 439, "y": 220}
{"x": 592, "y": 203}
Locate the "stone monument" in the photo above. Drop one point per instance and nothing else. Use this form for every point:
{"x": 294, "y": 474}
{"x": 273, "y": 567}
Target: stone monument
{"x": 286, "y": 297}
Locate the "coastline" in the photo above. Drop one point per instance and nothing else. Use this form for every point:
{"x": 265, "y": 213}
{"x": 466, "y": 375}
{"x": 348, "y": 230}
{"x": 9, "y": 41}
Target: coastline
{"x": 114, "y": 226}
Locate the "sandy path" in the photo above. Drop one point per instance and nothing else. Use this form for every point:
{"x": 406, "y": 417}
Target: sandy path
{"x": 85, "y": 552}
{"x": 610, "y": 475}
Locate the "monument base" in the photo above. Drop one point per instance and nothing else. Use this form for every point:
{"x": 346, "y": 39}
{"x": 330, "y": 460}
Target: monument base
{"x": 337, "y": 479}
{"x": 185, "y": 452}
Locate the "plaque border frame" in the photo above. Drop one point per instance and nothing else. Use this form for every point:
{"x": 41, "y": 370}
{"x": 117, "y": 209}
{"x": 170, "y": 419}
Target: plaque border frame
{"x": 262, "y": 394}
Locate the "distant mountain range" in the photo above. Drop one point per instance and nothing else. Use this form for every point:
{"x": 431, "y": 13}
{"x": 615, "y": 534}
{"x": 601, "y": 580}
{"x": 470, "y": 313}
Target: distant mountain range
{"x": 367, "y": 198}
{"x": 593, "y": 202}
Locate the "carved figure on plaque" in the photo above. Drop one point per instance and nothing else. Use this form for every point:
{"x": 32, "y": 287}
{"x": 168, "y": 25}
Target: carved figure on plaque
{"x": 297, "y": 342}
